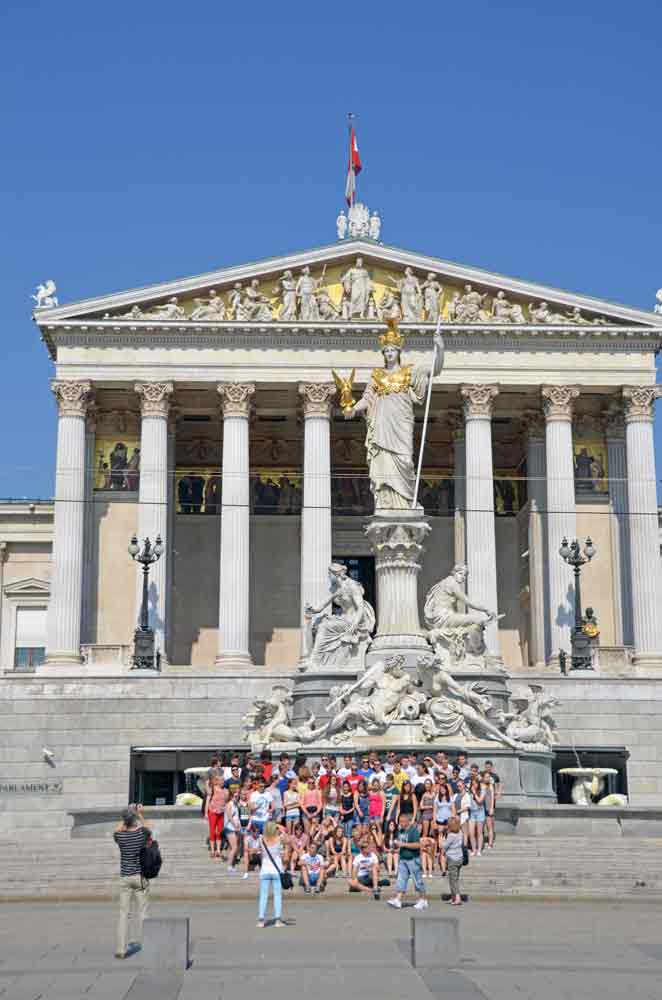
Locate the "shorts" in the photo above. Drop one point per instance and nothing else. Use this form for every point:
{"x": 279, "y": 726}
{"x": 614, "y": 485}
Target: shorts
{"x": 313, "y": 878}
{"x": 310, "y": 810}
{"x": 215, "y": 824}
{"x": 348, "y": 826}
{"x": 426, "y": 815}
{"x": 330, "y": 811}
{"x": 259, "y": 824}
{"x": 365, "y": 880}
{"x": 409, "y": 868}
{"x": 477, "y": 815}
{"x": 292, "y": 815}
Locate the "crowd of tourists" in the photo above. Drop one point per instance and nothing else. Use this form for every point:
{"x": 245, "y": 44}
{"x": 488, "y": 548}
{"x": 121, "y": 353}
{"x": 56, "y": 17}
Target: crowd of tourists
{"x": 370, "y": 820}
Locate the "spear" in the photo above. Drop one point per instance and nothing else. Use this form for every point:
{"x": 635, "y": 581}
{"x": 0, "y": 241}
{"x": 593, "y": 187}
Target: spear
{"x": 336, "y": 701}
{"x": 427, "y": 414}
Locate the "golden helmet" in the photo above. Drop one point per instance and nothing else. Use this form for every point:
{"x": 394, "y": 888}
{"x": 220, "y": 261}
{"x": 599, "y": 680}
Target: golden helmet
{"x": 392, "y": 337}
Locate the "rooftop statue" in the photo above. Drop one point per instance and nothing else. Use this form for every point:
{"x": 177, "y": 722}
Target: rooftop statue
{"x": 468, "y": 308}
{"x": 45, "y": 297}
{"x": 411, "y": 297}
{"x": 341, "y": 225}
{"x": 286, "y": 288}
{"x": 432, "y": 291}
{"x": 357, "y": 286}
{"x": 166, "y": 310}
{"x": 211, "y": 308}
{"x": 388, "y": 404}
{"x": 657, "y": 308}
{"x": 504, "y": 311}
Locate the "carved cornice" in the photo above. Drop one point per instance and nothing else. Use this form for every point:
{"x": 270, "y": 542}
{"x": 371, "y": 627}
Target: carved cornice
{"x": 73, "y": 398}
{"x": 478, "y": 400}
{"x": 533, "y": 425}
{"x": 154, "y": 398}
{"x": 638, "y": 402}
{"x": 317, "y": 398}
{"x": 236, "y": 398}
{"x": 557, "y": 401}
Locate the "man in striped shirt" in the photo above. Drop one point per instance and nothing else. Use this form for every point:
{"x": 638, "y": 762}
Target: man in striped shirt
{"x": 131, "y": 836}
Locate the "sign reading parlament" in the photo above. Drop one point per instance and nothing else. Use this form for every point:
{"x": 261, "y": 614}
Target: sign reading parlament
{"x": 46, "y": 787}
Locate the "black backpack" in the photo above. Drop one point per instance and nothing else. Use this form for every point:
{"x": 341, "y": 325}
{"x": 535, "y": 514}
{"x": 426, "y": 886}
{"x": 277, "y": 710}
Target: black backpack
{"x": 150, "y": 859}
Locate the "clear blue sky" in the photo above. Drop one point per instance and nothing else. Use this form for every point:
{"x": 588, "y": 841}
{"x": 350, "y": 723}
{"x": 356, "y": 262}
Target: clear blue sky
{"x": 146, "y": 141}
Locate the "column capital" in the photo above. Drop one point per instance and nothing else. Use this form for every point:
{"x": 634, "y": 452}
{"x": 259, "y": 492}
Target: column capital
{"x": 236, "y": 398}
{"x": 533, "y": 425}
{"x": 455, "y": 422}
{"x": 73, "y": 398}
{"x": 154, "y": 398}
{"x": 557, "y": 401}
{"x": 613, "y": 422}
{"x": 478, "y": 400}
{"x": 638, "y": 402}
{"x": 4, "y": 551}
{"x": 317, "y": 398}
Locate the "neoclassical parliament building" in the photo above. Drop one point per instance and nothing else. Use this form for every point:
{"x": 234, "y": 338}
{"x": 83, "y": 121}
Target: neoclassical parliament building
{"x": 204, "y": 411}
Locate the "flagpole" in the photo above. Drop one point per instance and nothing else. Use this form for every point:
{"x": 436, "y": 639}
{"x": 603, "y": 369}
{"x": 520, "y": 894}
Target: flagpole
{"x": 427, "y": 414}
{"x": 350, "y": 165}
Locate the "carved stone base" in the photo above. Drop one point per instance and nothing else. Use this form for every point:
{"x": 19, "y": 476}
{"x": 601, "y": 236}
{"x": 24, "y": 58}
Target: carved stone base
{"x": 396, "y": 541}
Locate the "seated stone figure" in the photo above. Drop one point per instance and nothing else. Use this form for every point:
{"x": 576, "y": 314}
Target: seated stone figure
{"x": 338, "y": 638}
{"x": 454, "y": 634}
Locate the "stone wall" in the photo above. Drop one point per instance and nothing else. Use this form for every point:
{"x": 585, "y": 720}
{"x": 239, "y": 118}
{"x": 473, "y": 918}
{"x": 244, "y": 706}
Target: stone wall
{"x": 113, "y": 601}
{"x": 92, "y": 724}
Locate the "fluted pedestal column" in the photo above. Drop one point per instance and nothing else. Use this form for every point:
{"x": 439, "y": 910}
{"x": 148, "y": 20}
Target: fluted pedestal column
{"x": 234, "y": 595}
{"x": 644, "y": 537}
{"x": 620, "y": 526}
{"x": 480, "y": 531}
{"x": 534, "y": 435}
{"x": 153, "y": 498}
{"x": 396, "y": 541}
{"x": 316, "y": 513}
{"x": 561, "y": 518}
{"x": 65, "y": 607}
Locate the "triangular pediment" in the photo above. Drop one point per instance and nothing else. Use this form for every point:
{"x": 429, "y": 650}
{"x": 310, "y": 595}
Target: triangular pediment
{"x": 28, "y": 587}
{"x": 273, "y": 291}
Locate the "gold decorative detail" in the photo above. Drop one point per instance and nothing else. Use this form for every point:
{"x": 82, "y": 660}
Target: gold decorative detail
{"x": 345, "y": 388}
{"x": 386, "y": 382}
{"x": 392, "y": 337}
{"x": 591, "y": 630}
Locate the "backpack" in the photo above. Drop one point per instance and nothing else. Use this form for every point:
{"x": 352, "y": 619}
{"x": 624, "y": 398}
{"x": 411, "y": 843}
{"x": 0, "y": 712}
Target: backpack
{"x": 150, "y": 859}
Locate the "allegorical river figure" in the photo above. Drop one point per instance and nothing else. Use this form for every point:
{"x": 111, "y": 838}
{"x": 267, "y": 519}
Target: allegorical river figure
{"x": 388, "y": 403}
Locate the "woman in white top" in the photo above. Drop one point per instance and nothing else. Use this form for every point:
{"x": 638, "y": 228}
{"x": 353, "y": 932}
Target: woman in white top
{"x": 270, "y": 871}
{"x": 232, "y": 829}
{"x": 462, "y": 806}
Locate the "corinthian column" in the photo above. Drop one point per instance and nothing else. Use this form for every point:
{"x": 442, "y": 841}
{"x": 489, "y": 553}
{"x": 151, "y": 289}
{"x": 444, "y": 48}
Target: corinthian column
{"x": 65, "y": 607}
{"x": 456, "y": 422}
{"x": 153, "y": 497}
{"x": 557, "y": 403}
{"x": 614, "y": 428}
{"x": 234, "y": 597}
{"x": 481, "y": 541}
{"x": 534, "y": 436}
{"x": 316, "y": 514}
{"x": 644, "y": 539}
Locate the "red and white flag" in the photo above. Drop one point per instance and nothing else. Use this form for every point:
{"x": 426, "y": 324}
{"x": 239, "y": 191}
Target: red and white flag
{"x": 353, "y": 167}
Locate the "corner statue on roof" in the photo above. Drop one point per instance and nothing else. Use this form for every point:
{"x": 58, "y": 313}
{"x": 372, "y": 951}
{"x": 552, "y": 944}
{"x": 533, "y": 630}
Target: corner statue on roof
{"x": 388, "y": 404}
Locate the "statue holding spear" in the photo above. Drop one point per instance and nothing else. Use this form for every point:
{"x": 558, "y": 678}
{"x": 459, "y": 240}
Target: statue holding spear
{"x": 388, "y": 404}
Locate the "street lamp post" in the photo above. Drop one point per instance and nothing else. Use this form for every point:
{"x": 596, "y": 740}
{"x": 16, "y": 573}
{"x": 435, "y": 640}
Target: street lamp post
{"x": 580, "y": 640}
{"x": 144, "y": 655}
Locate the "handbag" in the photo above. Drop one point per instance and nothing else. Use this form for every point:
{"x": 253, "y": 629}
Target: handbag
{"x": 285, "y": 877}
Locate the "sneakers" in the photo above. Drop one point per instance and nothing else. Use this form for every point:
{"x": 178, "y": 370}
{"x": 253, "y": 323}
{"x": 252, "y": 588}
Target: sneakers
{"x": 260, "y": 923}
{"x": 383, "y": 882}
{"x": 306, "y": 888}
{"x": 245, "y": 875}
{"x": 279, "y": 923}
{"x": 394, "y": 902}
{"x": 376, "y": 894}
{"x": 120, "y": 954}
{"x": 422, "y": 904}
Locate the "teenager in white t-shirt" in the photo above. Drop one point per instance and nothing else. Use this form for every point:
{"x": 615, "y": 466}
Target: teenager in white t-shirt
{"x": 313, "y": 871}
{"x": 260, "y": 803}
{"x": 365, "y": 872}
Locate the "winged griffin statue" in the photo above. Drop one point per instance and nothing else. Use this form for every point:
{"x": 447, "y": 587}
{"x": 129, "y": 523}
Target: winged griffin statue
{"x": 45, "y": 297}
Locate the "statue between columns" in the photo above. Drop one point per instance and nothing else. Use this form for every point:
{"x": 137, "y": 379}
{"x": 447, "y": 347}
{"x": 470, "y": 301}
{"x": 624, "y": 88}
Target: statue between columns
{"x": 388, "y": 404}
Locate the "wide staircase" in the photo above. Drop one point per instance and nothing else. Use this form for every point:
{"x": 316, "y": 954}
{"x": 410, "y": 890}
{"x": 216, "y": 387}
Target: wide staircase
{"x": 620, "y": 867}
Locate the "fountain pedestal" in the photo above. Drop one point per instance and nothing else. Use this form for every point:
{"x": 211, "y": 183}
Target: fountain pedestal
{"x": 396, "y": 541}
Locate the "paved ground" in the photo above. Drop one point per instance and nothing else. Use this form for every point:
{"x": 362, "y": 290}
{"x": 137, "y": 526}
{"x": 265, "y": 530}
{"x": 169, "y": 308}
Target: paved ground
{"x": 342, "y": 948}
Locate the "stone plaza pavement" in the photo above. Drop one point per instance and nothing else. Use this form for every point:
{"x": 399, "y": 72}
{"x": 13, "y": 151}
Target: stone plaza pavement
{"x": 346, "y": 948}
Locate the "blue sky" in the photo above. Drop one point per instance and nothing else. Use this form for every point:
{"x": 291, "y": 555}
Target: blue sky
{"x": 147, "y": 141}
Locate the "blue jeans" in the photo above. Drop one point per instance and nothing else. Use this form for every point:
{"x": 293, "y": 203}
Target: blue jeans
{"x": 409, "y": 869}
{"x": 274, "y": 882}
{"x": 348, "y": 826}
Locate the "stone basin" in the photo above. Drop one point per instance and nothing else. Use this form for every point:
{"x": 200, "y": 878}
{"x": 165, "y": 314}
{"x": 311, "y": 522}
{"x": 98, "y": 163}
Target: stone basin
{"x": 588, "y": 784}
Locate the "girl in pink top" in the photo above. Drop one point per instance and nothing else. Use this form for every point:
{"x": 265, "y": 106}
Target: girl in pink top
{"x": 311, "y": 804}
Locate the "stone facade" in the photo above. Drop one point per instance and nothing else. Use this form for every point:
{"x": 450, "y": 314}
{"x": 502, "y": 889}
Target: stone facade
{"x": 206, "y": 413}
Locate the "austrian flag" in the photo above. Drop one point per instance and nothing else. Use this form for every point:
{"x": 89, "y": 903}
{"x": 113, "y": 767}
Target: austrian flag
{"x": 353, "y": 168}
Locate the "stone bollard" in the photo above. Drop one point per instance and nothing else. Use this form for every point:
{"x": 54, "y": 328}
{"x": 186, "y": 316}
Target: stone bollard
{"x": 167, "y": 943}
{"x": 435, "y": 941}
